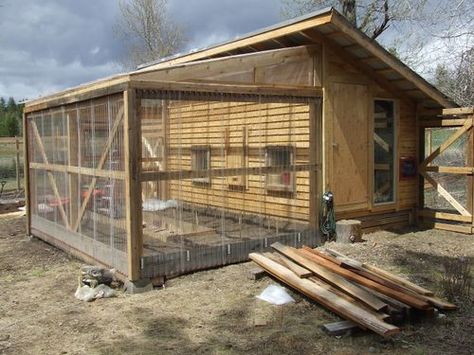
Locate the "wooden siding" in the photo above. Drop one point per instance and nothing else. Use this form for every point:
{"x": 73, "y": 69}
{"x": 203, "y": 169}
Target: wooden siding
{"x": 220, "y": 126}
{"x": 339, "y": 78}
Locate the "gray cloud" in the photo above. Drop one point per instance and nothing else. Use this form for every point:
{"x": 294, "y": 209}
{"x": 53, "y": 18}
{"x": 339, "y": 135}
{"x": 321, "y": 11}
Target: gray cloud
{"x": 50, "y": 45}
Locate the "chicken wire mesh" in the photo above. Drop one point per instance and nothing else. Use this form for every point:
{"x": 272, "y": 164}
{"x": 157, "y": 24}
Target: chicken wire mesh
{"x": 224, "y": 176}
{"x": 77, "y": 191}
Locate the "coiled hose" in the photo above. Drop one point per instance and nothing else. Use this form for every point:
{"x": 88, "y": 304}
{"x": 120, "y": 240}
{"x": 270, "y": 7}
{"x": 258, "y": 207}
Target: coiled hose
{"x": 327, "y": 217}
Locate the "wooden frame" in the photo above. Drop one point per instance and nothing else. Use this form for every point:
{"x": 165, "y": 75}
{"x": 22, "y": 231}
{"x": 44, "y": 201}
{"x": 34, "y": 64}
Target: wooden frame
{"x": 385, "y": 146}
{"x": 277, "y": 149}
{"x": 435, "y": 218}
{"x": 317, "y": 39}
{"x": 132, "y": 132}
{"x": 196, "y": 152}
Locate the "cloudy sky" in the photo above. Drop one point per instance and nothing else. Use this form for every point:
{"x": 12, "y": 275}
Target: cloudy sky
{"x": 49, "y": 45}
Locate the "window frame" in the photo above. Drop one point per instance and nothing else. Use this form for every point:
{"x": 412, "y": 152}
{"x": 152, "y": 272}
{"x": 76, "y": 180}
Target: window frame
{"x": 291, "y": 186}
{"x": 395, "y": 152}
{"x": 196, "y": 149}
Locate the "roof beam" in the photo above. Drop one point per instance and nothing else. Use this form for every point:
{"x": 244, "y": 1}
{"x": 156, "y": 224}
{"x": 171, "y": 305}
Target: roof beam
{"x": 322, "y": 19}
{"x": 354, "y": 61}
{"x": 377, "y": 50}
{"x": 233, "y": 88}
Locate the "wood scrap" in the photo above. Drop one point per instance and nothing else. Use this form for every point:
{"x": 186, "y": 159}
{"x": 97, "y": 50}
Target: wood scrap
{"x": 331, "y": 278}
{"x": 369, "y": 297}
{"x": 298, "y": 270}
{"x": 415, "y": 301}
{"x": 359, "y": 269}
{"x": 340, "y": 328}
{"x": 328, "y": 299}
{"x": 408, "y": 284}
{"x": 256, "y": 273}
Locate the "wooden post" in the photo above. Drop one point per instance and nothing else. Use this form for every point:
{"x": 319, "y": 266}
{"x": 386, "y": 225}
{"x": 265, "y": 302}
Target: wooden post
{"x": 315, "y": 174}
{"x": 26, "y": 175}
{"x": 73, "y": 178}
{"x": 17, "y": 165}
{"x": 164, "y": 185}
{"x": 470, "y": 178}
{"x": 420, "y": 152}
{"x": 133, "y": 194}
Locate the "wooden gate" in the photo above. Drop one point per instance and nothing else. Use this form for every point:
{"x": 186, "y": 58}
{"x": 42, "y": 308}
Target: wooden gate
{"x": 446, "y": 188}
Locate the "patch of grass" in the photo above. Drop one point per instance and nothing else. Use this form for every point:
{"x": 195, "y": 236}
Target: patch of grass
{"x": 456, "y": 280}
{"x": 37, "y": 272}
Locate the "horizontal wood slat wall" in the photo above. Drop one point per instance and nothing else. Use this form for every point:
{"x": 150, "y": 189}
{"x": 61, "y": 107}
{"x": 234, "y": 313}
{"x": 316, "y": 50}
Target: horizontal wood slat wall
{"x": 219, "y": 125}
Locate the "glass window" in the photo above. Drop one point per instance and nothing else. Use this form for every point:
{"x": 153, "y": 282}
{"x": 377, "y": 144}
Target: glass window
{"x": 281, "y": 157}
{"x": 201, "y": 160}
{"x": 384, "y": 151}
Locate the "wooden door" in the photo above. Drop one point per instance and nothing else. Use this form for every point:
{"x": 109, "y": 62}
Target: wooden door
{"x": 350, "y": 145}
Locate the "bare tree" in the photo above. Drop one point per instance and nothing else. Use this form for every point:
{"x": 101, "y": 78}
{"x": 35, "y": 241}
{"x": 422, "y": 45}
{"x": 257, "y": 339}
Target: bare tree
{"x": 148, "y": 31}
{"x": 458, "y": 82}
{"x": 371, "y": 16}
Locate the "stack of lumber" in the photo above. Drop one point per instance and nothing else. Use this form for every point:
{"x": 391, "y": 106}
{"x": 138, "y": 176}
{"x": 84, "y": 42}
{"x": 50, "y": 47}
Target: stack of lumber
{"x": 370, "y": 297}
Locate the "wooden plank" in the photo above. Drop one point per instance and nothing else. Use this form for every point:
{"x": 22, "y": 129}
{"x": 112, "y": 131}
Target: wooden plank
{"x": 446, "y": 216}
{"x": 462, "y": 170}
{"x": 393, "y": 281}
{"x": 298, "y": 270}
{"x": 111, "y": 174}
{"x": 133, "y": 195}
{"x": 10, "y": 140}
{"x": 256, "y": 274}
{"x": 412, "y": 300}
{"x": 221, "y": 172}
{"x": 465, "y": 229}
{"x": 328, "y": 299}
{"x": 344, "y": 260}
{"x": 340, "y": 328}
{"x": 442, "y": 123}
{"x": 103, "y": 87}
{"x": 447, "y": 196}
{"x": 458, "y": 111}
{"x": 223, "y": 88}
{"x": 332, "y": 278}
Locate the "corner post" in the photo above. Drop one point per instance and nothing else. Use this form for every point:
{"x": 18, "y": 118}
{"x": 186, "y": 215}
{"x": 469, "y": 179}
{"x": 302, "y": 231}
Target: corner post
{"x": 133, "y": 195}
{"x": 26, "y": 174}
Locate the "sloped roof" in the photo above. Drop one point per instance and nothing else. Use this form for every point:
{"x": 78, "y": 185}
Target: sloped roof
{"x": 326, "y": 26}
{"x": 330, "y": 27}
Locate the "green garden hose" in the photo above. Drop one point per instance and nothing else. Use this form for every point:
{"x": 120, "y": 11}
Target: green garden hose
{"x": 327, "y": 217}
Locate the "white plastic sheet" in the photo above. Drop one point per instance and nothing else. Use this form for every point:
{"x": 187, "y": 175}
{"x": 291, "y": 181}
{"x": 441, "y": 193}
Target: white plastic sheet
{"x": 276, "y": 295}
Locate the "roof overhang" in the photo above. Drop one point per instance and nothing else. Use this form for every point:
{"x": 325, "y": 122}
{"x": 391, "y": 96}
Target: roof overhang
{"x": 326, "y": 26}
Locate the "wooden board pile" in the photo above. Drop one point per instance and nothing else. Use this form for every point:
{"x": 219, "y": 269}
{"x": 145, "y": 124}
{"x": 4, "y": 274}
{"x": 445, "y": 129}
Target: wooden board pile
{"x": 368, "y": 296}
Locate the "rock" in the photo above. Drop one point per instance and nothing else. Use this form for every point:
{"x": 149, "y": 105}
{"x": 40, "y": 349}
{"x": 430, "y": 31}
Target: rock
{"x": 4, "y": 337}
{"x": 372, "y": 349}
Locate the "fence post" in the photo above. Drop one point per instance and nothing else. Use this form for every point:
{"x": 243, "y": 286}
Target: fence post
{"x": 17, "y": 165}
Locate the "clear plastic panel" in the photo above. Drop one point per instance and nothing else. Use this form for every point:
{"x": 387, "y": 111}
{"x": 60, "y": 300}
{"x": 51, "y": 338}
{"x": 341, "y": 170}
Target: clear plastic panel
{"x": 77, "y": 190}
{"x": 234, "y": 178}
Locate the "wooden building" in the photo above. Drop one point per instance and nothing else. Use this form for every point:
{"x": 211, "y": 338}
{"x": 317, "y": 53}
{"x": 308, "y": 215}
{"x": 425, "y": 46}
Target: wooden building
{"x": 198, "y": 159}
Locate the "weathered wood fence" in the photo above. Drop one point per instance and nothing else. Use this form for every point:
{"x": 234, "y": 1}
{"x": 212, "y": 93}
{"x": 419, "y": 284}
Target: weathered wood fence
{"x": 13, "y": 147}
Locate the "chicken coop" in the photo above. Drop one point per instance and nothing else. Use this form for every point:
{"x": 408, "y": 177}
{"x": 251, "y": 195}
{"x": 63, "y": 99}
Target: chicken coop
{"x": 197, "y": 160}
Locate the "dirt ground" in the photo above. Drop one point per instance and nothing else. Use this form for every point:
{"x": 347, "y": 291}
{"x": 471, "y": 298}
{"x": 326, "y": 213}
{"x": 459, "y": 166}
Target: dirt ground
{"x": 211, "y": 312}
